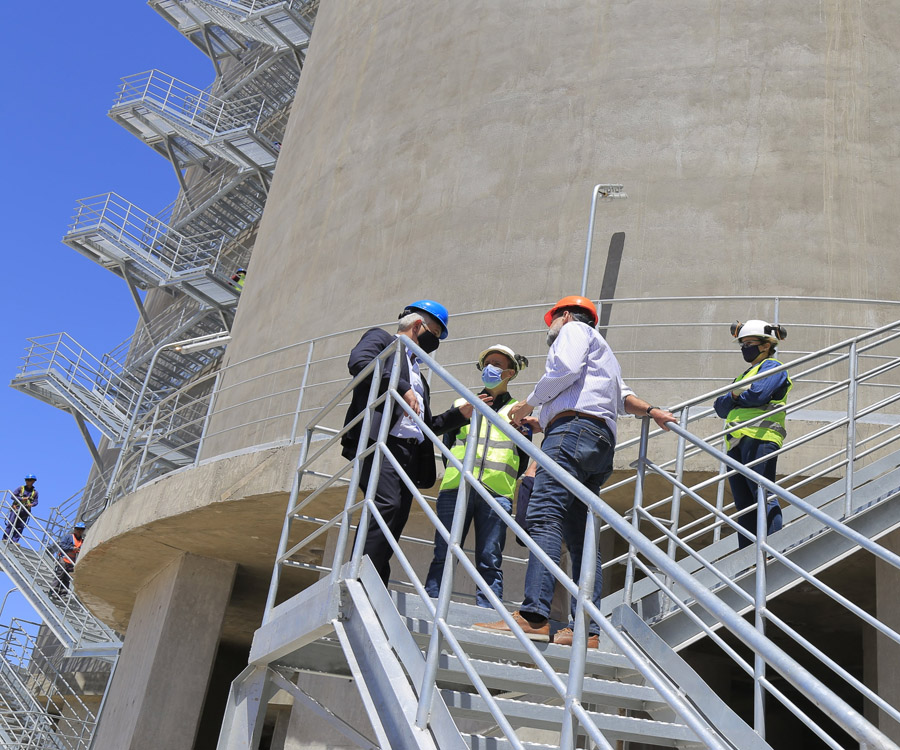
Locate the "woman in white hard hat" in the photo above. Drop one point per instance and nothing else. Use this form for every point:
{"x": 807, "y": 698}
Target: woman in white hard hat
{"x": 498, "y": 464}
{"x": 766, "y": 435}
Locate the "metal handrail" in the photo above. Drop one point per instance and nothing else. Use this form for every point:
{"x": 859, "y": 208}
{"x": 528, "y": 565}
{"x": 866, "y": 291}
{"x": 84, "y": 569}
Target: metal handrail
{"x": 642, "y": 548}
{"x": 284, "y": 405}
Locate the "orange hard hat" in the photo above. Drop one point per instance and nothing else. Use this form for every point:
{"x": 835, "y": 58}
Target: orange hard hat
{"x": 572, "y": 301}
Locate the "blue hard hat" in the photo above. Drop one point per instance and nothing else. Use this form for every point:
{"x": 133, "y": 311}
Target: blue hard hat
{"x": 435, "y": 309}
{"x": 31, "y": 476}
{"x": 80, "y": 525}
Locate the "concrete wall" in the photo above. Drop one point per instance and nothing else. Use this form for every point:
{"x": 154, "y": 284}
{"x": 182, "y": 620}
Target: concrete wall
{"x": 450, "y": 151}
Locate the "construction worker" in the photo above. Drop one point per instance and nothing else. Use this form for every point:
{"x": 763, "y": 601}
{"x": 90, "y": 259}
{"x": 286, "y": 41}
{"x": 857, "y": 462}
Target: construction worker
{"x": 498, "y": 464}
{"x": 237, "y": 280}
{"x": 758, "y": 341}
{"x": 24, "y": 498}
{"x": 425, "y": 323}
{"x": 69, "y": 547}
{"x": 581, "y": 393}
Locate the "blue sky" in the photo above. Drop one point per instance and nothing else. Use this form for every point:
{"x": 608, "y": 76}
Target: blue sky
{"x": 62, "y": 62}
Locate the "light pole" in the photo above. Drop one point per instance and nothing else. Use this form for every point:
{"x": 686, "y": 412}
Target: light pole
{"x": 196, "y": 344}
{"x": 600, "y": 191}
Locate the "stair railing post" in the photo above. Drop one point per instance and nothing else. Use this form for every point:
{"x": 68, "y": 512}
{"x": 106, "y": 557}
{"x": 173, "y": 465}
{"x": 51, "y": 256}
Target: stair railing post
{"x": 759, "y": 664}
{"x": 852, "y": 381}
{"x": 720, "y": 497}
{"x": 638, "y": 503}
{"x": 347, "y": 515}
{"x": 380, "y": 447}
{"x": 303, "y": 381}
{"x": 586, "y": 582}
{"x": 426, "y": 693}
{"x": 676, "y": 491}
{"x": 209, "y": 410}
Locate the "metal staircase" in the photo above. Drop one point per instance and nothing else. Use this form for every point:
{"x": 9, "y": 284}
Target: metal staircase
{"x": 39, "y": 695}
{"x": 145, "y": 251}
{"x": 428, "y": 680}
{"x": 199, "y": 29}
{"x": 190, "y": 125}
{"x": 280, "y": 24}
{"x": 32, "y": 566}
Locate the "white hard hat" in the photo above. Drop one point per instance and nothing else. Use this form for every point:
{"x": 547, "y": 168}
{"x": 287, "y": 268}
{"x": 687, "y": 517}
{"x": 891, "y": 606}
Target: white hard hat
{"x": 758, "y": 328}
{"x": 518, "y": 360}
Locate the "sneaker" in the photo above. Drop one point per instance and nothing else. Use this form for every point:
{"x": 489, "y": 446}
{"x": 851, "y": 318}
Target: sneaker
{"x": 534, "y": 632}
{"x": 564, "y": 637}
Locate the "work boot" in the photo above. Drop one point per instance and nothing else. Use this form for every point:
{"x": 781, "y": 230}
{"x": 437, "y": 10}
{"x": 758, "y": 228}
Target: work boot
{"x": 564, "y": 637}
{"x": 533, "y": 632}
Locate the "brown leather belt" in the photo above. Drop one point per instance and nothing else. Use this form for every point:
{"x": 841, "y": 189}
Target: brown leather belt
{"x": 583, "y": 415}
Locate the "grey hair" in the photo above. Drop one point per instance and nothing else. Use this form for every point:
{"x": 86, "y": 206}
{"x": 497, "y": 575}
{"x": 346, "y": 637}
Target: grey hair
{"x": 408, "y": 321}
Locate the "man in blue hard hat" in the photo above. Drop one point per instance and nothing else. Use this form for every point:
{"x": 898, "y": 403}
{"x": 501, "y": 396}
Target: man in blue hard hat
{"x": 24, "y": 498}
{"x": 67, "y": 553}
{"x": 425, "y": 323}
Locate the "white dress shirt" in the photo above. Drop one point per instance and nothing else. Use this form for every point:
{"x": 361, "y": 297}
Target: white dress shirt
{"x": 582, "y": 374}
{"x": 407, "y": 427}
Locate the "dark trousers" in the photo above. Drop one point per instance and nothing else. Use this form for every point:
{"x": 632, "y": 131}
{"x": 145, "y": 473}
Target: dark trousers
{"x": 393, "y": 499}
{"x": 63, "y": 576}
{"x": 744, "y": 491}
{"x": 18, "y": 517}
{"x": 584, "y": 448}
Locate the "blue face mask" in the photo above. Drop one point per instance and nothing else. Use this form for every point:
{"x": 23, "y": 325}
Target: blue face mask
{"x": 491, "y": 376}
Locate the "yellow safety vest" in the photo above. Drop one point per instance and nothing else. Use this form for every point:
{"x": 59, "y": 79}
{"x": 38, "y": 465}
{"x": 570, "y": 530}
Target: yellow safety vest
{"x": 771, "y": 429}
{"x": 496, "y": 457}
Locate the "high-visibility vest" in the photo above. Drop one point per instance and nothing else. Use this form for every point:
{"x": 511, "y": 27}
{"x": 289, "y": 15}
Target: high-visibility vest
{"x": 771, "y": 429}
{"x": 239, "y": 284}
{"x": 64, "y": 556}
{"x": 496, "y": 458}
{"x": 24, "y": 498}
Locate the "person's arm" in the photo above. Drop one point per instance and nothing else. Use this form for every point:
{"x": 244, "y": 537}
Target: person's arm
{"x": 65, "y": 543}
{"x": 762, "y": 391}
{"x": 724, "y": 404}
{"x": 372, "y": 343}
{"x": 641, "y": 408}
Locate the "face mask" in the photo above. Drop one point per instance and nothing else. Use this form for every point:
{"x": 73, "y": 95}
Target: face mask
{"x": 428, "y": 341}
{"x": 750, "y": 352}
{"x": 491, "y": 376}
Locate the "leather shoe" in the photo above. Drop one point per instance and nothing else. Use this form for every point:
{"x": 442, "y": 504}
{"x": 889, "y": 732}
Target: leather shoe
{"x": 564, "y": 637}
{"x": 533, "y": 632}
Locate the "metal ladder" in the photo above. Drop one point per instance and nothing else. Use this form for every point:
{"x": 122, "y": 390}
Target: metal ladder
{"x": 683, "y": 581}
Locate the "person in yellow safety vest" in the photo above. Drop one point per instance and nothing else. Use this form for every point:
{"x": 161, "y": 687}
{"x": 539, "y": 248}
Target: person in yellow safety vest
{"x": 24, "y": 499}
{"x": 748, "y": 443}
{"x": 238, "y": 279}
{"x": 69, "y": 547}
{"x": 498, "y": 464}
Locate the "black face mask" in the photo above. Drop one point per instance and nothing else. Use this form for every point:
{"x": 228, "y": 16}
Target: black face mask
{"x": 750, "y": 352}
{"x": 428, "y": 341}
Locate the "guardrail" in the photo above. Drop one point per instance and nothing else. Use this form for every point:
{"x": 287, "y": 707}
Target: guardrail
{"x": 261, "y": 401}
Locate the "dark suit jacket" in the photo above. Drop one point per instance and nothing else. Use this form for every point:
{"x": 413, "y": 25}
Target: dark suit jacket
{"x": 373, "y": 342}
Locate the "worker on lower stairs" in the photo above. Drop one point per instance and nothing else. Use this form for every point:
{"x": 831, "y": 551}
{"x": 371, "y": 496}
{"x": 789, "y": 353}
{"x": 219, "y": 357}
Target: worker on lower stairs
{"x": 69, "y": 547}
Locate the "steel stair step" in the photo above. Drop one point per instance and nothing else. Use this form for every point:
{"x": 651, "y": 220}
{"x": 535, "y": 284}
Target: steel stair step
{"x": 543, "y": 716}
{"x": 480, "y": 742}
{"x": 517, "y": 678}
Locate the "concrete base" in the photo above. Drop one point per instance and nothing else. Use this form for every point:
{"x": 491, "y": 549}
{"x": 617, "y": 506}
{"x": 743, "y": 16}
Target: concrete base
{"x": 887, "y": 659}
{"x": 159, "y": 689}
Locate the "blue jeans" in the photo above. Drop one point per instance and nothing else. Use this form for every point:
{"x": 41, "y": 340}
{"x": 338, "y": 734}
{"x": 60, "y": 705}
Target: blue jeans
{"x": 584, "y": 448}
{"x": 744, "y": 491}
{"x": 490, "y": 538}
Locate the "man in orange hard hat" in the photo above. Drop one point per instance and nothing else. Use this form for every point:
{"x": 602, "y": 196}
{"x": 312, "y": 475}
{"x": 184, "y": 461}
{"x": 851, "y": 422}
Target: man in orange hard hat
{"x": 581, "y": 394}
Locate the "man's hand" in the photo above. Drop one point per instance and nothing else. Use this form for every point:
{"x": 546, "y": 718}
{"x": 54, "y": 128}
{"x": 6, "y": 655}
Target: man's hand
{"x": 519, "y": 412}
{"x": 466, "y": 409}
{"x": 532, "y": 423}
{"x": 410, "y": 398}
{"x": 662, "y": 418}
